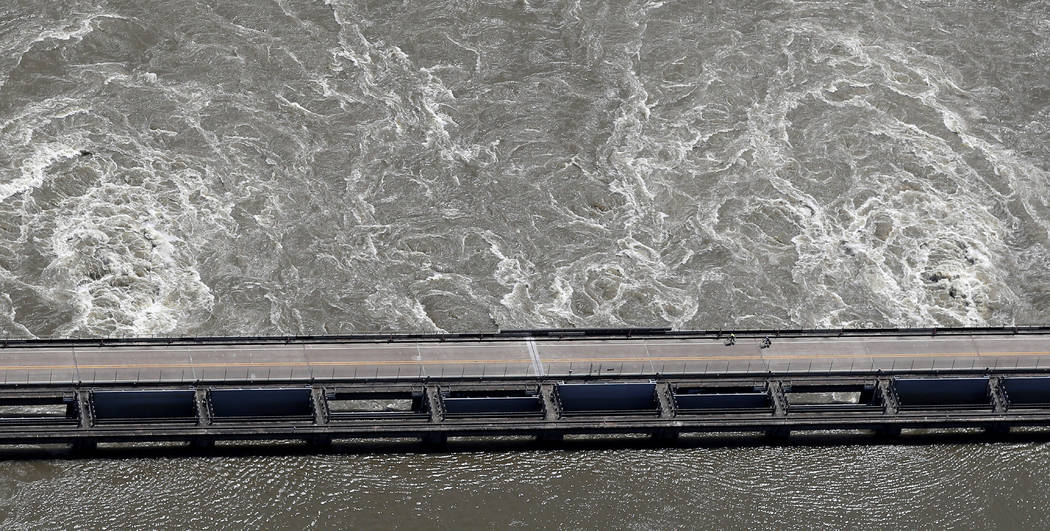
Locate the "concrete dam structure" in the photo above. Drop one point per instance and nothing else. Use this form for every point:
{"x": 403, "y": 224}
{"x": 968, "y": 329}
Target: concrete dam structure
{"x": 547, "y": 384}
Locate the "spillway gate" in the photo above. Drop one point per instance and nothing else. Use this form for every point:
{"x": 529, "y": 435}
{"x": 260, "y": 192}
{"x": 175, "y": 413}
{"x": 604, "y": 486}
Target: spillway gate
{"x": 546, "y": 409}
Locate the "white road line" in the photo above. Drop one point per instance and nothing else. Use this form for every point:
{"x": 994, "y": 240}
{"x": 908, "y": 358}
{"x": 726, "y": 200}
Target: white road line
{"x": 537, "y": 365}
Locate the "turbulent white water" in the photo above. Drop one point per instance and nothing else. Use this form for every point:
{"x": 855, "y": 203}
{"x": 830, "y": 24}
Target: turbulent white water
{"x": 305, "y": 167}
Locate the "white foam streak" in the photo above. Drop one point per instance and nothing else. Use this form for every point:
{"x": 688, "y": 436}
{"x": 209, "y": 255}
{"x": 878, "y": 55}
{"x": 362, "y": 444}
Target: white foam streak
{"x": 928, "y": 255}
{"x": 33, "y": 169}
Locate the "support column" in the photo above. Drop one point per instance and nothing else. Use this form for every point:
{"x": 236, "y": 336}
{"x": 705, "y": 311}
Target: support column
{"x": 665, "y": 396}
{"x": 200, "y": 396}
{"x": 84, "y": 411}
{"x": 320, "y": 405}
{"x": 437, "y": 415}
{"x": 551, "y": 412}
{"x": 889, "y": 400}
{"x": 780, "y": 407}
{"x": 890, "y": 406}
{"x": 200, "y": 399}
{"x": 999, "y": 399}
{"x": 776, "y": 395}
{"x": 87, "y": 420}
{"x": 1000, "y": 404}
{"x": 434, "y": 403}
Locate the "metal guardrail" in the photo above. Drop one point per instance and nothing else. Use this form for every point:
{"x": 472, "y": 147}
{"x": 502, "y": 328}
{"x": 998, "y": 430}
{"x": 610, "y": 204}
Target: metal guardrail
{"x": 516, "y": 334}
{"x": 516, "y": 372}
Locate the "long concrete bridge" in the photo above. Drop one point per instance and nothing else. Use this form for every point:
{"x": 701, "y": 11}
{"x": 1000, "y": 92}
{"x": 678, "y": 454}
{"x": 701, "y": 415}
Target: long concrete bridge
{"x": 544, "y": 383}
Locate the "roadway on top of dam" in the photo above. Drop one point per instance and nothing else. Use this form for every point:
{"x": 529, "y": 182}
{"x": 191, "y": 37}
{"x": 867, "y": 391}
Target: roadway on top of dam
{"x": 517, "y": 357}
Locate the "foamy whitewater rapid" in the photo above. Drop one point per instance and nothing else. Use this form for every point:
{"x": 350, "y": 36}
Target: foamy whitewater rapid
{"x": 296, "y": 167}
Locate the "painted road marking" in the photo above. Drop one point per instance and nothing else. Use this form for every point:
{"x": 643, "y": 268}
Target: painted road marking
{"x": 767, "y": 357}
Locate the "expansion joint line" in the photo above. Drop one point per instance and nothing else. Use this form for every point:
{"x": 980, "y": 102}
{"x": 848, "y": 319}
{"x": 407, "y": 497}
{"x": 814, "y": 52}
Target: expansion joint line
{"x": 537, "y": 365}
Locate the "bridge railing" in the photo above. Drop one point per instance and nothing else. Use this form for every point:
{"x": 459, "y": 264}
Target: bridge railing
{"x": 308, "y": 372}
{"x": 8, "y": 340}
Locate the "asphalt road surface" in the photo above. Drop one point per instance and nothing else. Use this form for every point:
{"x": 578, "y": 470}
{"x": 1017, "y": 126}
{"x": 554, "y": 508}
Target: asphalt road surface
{"x": 526, "y": 357}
